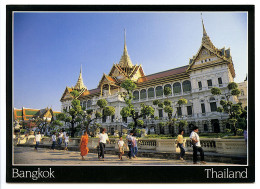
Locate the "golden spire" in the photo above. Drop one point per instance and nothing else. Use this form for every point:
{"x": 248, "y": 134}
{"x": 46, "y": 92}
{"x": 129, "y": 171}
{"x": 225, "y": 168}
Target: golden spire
{"x": 80, "y": 85}
{"x": 204, "y": 31}
{"x": 125, "y": 60}
{"x": 205, "y": 38}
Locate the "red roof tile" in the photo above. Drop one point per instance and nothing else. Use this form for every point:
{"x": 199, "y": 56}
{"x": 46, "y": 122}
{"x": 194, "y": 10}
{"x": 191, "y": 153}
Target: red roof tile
{"x": 163, "y": 74}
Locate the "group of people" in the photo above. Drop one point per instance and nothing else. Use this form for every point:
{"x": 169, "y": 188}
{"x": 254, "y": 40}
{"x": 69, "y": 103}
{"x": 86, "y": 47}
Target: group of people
{"x": 131, "y": 141}
{"x": 195, "y": 141}
{"x": 103, "y": 139}
{"x": 62, "y": 136}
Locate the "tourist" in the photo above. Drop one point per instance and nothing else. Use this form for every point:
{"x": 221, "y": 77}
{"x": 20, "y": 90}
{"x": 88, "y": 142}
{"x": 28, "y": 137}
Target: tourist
{"x": 66, "y": 141}
{"x": 38, "y": 138}
{"x": 53, "y": 138}
{"x": 129, "y": 139}
{"x": 121, "y": 145}
{"x": 103, "y": 138}
{"x": 180, "y": 144}
{"x": 60, "y": 138}
{"x": 245, "y": 135}
{"x": 135, "y": 149}
{"x": 84, "y": 145}
{"x": 195, "y": 140}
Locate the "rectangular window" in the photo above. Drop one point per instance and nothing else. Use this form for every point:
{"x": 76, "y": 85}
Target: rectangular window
{"x": 112, "y": 118}
{"x": 200, "y": 85}
{"x": 220, "y": 81}
{"x": 189, "y": 110}
{"x": 125, "y": 119}
{"x": 209, "y": 83}
{"x": 179, "y": 111}
{"x": 203, "y": 108}
{"x": 213, "y": 106}
{"x": 160, "y": 113}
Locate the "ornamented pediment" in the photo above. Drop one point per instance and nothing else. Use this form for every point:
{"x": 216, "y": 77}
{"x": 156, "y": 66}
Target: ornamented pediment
{"x": 66, "y": 94}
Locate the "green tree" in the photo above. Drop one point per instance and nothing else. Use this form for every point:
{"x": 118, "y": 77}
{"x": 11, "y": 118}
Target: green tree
{"x": 237, "y": 115}
{"x": 181, "y": 102}
{"x": 129, "y": 110}
{"x": 88, "y": 114}
{"x": 167, "y": 91}
{"x": 166, "y": 105}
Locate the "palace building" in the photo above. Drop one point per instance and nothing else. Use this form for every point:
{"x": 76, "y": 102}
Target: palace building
{"x": 210, "y": 67}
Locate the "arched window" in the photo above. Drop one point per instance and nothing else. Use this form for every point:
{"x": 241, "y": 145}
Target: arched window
{"x": 143, "y": 94}
{"x": 176, "y": 88}
{"x": 186, "y": 86}
{"x": 159, "y": 91}
{"x": 89, "y": 103}
{"x": 151, "y": 93}
{"x": 169, "y": 86}
{"x": 136, "y": 95}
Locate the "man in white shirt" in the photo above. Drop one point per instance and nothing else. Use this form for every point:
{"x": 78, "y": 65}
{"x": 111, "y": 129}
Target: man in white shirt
{"x": 53, "y": 138}
{"x": 195, "y": 140}
{"x": 38, "y": 138}
{"x": 129, "y": 139}
{"x": 103, "y": 138}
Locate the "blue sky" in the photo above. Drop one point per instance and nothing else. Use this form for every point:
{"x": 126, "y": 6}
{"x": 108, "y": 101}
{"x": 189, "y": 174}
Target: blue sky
{"x": 50, "y": 47}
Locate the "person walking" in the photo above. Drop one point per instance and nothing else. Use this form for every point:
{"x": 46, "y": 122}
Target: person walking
{"x": 135, "y": 148}
{"x": 60, "y": 138}
{"x": 121, "y": 145}
{"x": 129, "y": 139}
{"x": 66, "y": 141}
{"x": 103, "y": 138}
{"x": 84, "y": 145}
{"x": 195, "y": 140}
{"x": 53, "y": 138}
{"x": 180, "y": 144}
{"x": 38, "y": 138}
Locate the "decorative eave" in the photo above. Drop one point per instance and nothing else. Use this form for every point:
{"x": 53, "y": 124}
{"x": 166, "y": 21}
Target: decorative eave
{"x": 106, "y": 79}
{"x": 67, "y": 91}
{"x": 206, "y": 43}
{"x": 89, "y": 94}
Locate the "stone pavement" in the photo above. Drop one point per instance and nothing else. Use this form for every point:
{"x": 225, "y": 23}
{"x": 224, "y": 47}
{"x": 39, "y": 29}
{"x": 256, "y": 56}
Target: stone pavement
{"x": 28, "y": 156}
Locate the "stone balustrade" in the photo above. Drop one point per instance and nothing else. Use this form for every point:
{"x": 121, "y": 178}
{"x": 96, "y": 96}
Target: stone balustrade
{"x": 221, "y": 146}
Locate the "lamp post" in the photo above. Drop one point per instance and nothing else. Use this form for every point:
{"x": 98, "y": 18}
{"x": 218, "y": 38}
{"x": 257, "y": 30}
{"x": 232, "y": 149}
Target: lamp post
{"x": 116, "y": 121}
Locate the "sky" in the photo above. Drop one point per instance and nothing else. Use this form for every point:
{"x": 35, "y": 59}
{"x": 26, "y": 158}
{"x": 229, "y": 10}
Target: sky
{"x": 49, "y": 48}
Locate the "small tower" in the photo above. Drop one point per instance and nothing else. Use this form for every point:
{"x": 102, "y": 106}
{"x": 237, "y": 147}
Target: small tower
{"x": 80, "y": 84}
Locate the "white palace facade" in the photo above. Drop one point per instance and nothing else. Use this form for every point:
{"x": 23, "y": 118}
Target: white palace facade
{"x": 210, "y": 67}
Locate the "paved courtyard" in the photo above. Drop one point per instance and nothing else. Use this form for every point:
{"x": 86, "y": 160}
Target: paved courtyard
{"x": 28, "y": 156}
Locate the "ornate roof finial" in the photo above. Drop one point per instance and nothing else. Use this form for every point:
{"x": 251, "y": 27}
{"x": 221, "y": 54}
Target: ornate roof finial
{"x": 204, "y": 30}
{"x": 80, "y": 84}
{"x": 125, "y": 40}
{"x": 205, "y": 38}
{"x": 125, "y": 59}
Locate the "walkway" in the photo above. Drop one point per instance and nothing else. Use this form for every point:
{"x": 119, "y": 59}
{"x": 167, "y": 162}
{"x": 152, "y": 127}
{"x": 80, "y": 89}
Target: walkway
{"x": 28, "y": 156}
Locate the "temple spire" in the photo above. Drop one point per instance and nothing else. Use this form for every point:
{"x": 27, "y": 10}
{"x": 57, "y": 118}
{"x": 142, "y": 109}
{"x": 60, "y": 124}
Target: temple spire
{"x": 204, "y": 30}
{"x": 125, "y": 49}
{"x": 205, "y": 38}
{"x": 125, "y": 60}
{"x": 80, "y": 84}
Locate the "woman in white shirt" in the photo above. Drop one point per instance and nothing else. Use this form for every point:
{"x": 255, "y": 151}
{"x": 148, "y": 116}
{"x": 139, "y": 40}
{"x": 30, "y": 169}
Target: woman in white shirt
{"x": 102, "y": 141}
